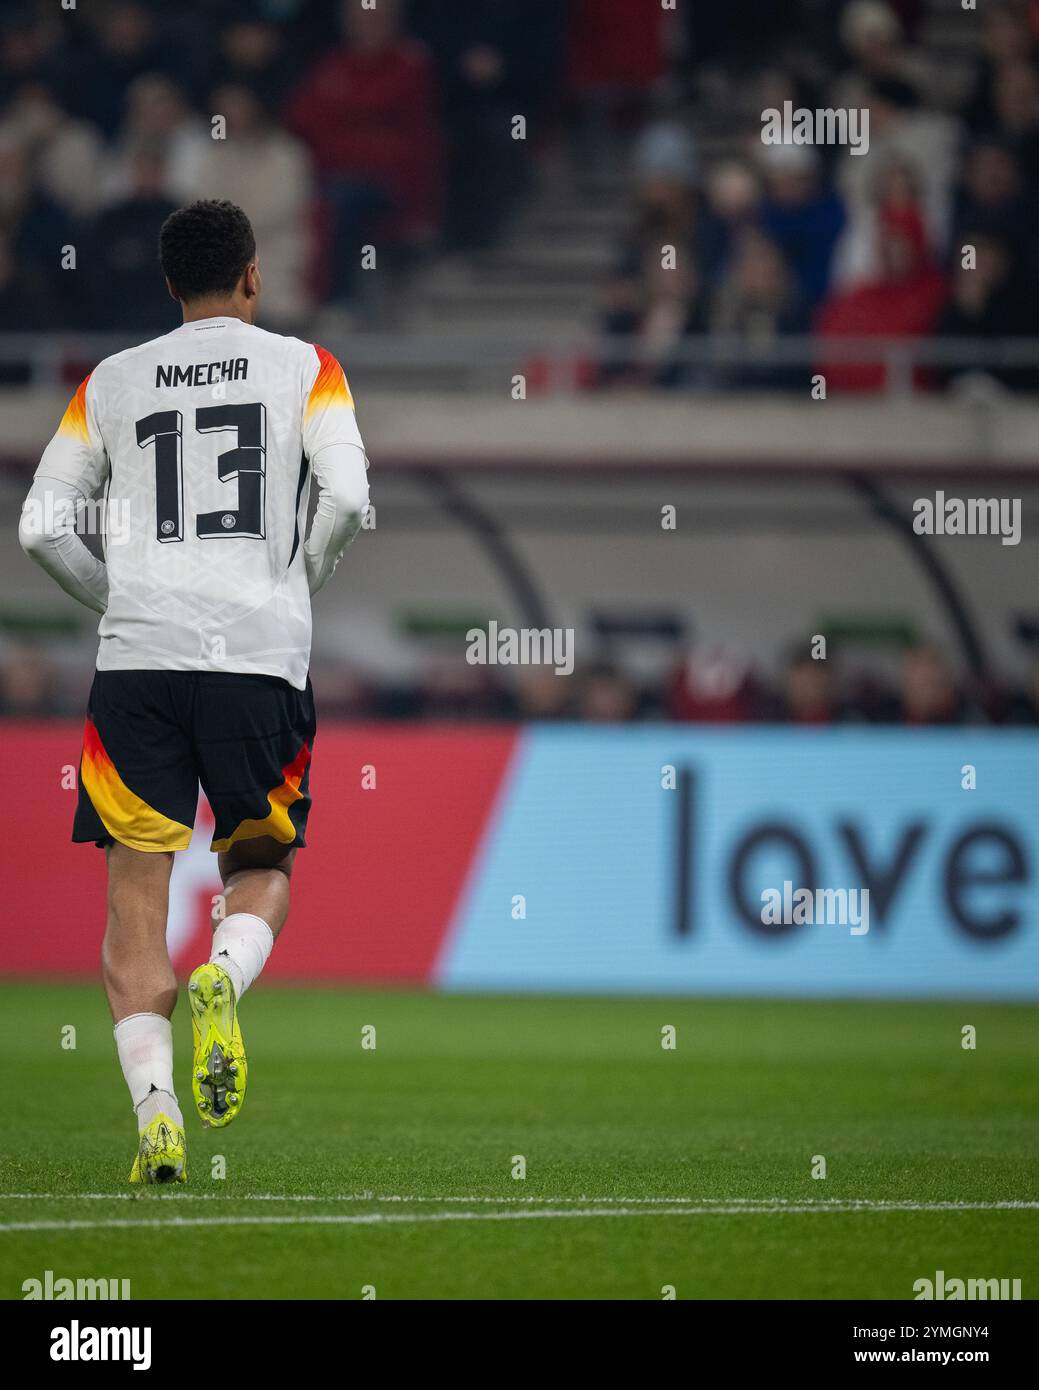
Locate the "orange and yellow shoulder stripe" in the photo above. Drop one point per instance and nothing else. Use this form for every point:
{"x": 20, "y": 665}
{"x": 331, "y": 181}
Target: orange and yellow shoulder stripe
{"x": 330, "y": 388}
{"x": 74, "y": 421}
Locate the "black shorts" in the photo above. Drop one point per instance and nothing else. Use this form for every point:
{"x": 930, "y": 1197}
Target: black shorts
{"x": 152, "y": 736}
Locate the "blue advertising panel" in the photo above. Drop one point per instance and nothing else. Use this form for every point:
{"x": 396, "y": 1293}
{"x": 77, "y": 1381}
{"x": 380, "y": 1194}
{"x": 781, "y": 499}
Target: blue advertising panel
{"x": 643, "y": 860}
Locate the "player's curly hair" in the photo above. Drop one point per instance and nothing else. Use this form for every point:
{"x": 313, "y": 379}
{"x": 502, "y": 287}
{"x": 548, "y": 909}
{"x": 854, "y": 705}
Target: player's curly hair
{"x": 204, "y": 247}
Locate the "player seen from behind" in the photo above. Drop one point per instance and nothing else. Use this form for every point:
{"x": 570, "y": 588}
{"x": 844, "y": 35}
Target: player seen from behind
{"x": 206, "y": 443}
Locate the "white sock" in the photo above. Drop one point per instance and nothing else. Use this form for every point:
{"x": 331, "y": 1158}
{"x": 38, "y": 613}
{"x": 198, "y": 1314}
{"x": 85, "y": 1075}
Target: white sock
{"x": 241, "y": 944}
{"x": 145, "y": 1046}
{"x": 159, "y": 1103}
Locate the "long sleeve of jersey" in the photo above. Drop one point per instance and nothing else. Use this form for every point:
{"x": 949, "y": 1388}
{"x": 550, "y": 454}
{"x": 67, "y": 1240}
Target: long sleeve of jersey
{"x": 47, "y": 532}
{"x": 341, "y": 475}
{"x": 333, "y": 446}
{"x": 73, "y": 466}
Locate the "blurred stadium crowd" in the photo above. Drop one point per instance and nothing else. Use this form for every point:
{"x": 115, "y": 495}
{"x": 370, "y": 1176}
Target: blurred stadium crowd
{"x": 701, "y": 686}
{"x": 346, "y": 125}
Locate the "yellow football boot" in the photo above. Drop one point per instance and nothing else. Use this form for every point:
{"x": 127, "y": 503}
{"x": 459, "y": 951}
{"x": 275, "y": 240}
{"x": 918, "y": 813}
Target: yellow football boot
{"x": 218, "y": 1068}
{"x": 161, "y": 1153}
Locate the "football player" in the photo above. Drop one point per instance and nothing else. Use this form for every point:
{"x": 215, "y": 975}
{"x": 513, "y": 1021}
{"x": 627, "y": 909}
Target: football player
{"x": 206, "y": 443}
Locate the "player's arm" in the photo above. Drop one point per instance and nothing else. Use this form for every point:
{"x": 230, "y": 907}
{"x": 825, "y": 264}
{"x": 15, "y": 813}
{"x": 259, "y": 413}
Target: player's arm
{"x": 341, "y": 475}
{"x": 72, "y": 468}
{"x": 333, "y": 446}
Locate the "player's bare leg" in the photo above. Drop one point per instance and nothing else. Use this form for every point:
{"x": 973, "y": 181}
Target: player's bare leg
{"x": 135, "y": 964}
{"x": 255, "y": 874}
{"x": 142, "y": 990}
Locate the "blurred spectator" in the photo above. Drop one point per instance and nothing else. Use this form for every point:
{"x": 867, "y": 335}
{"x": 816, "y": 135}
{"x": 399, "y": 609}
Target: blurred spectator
{"x": 732, "y": 199}
{"x": 903, "y": 302}
{"x": 1015, "y": 100}
{"x": 651, "y": 316}
{"x": 870, "y": 698}
{"x": 65, "y": 153}
{"x": 158, "y": 119}
{"x": 26, "y": 48}
{"x": 1006, "y": 39}
{"x": 656, "y": 296}
{"x": 666, "y": 199}
{"x": 667, "y": 176}
{"x": 542, "y": 694}
{"x": 251, "y": 52}
{"x": 368, "y": 111}
{"x": 991, "y": 299}
{"x": 1024, "y": 708}
{"x": 341, "y": 692}
{"x": 873, "y": 39}
{"x": 895, "y": 188}
{"x": 615, "y": 55}
{"x": 495, "y": 59}
{"x": 120, "y": 267}
{"x": 808, "y": 693}
{"x": 801, "y": 216}
{"x": 615, "y": 46}
{"x": 450, "y": 688}
{"x": 128, "y": 44}
{"x": 758, "y": 303}
{"x": 923, "y": 142}
{"x": 713, "y": 687}
{"x": 27, "y": 686}
{"x": 994, "y": 197}
{"x": 606, "y": 696}
{"x": 266, "y": 172}
{"x": 929, "y": 694}
{"x": 35, "y": 231}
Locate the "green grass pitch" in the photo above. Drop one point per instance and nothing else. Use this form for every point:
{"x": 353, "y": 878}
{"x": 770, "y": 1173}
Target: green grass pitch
{"x": 340, "y": 1168}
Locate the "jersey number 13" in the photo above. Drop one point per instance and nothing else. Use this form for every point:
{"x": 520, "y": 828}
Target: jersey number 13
{"x": 246, "y": 462}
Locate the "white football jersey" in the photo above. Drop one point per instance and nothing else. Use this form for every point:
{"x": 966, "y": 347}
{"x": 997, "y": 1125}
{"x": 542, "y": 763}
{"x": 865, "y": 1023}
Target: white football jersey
{"x": 202, "y": 440}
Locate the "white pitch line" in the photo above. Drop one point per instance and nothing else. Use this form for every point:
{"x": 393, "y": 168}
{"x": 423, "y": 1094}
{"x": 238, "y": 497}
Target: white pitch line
{"x": 880, "y": 1203}
{"x": 376, "y": 1197}
{"x": 175, "y": 1196}
{"x": 515, "y": 1214}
